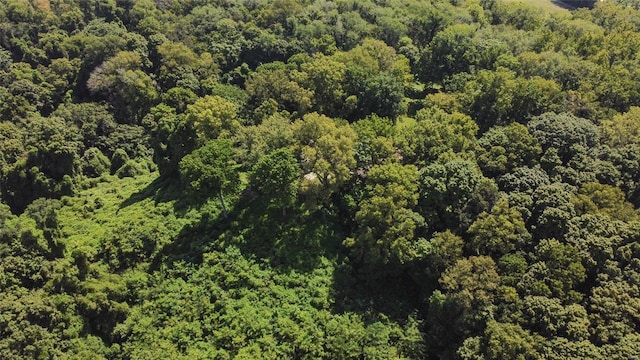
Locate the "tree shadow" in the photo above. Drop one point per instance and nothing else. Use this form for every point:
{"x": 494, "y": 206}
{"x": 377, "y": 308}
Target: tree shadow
{"x": 157, "y": 190}
{"x": 389, "y": 292}
{"x": 574, "y": 4}
{"x": 162, "y": 190}
{"x": 296, "y": 240}
{"x": 293, "y": 240}
{"x": 191, "y": 243}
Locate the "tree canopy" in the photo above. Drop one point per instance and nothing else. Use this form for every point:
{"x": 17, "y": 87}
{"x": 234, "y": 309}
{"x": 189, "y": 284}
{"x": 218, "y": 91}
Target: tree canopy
{"x": 331, "y": 179}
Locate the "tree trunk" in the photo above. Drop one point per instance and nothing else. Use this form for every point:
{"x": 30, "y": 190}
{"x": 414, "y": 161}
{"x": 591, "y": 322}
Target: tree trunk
{"x": 224, "y": 208}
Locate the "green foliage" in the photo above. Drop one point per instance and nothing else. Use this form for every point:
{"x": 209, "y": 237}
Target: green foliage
{"x": 129, "y": 89}
{"x": 386, "y": 221}
{"x": 502, "y": 149}
{"x": 452, "y": 51}
{"x": 209, "y": 171}
{"x": 500, "y": 232}
{"x": 500, "y": 97}
{"x": 275, "y": 176}
{"x": 94, "y": 163}
{"x": 47, "y": 168}
{"x": 118, "y": 160}
{"x": 509, "y": 341}
{"x": 274, "y": 81}
{"x": 604, "y": 199}
{"x": 622, "y": 130}
{"x": 325, "y": 149}
{"x": 435, "y": 134}
{"x": 556, "y": 270}
{"x": 212, "y": 117}
{"x": 375, "y": 144}
{"x": 95, "y": 122}
{"x": 363, "y": 145}
{"x": 132, "y": 168}
{"x": 472, "y": 282}
{"x": 562, "y": 131}
{"x": 325, "y": 76}
{"x": 453, "y": 192}
{"x": 443, "y": 250}
{"x": 273, "y": 133}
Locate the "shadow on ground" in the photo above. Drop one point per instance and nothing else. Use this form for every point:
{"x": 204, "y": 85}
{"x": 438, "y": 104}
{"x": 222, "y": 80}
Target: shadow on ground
{"x": 573, "y": 4}
{"x": 294, "y": 240}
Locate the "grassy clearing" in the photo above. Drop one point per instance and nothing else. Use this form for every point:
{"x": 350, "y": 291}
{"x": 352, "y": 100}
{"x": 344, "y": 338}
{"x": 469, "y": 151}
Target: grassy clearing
{"x": 543, "y": 4}
{"x": 92, "y": 215}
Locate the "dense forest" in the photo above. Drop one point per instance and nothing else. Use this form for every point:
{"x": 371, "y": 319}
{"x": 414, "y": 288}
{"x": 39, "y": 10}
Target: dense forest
{"x": 319, "y": 179}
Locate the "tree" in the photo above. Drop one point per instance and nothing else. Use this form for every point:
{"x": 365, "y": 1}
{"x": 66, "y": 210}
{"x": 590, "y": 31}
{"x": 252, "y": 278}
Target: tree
{"x": 614, "y": 310}
{"x": 556, "y": 271}
{"x": 550, "y": 318}
{"x": 94, "y": 163}
{"x": 442, "y": 251}
{"x": 273, "y": 133}
{"x": 622, "y": 130}
{"x": 597, "y": 237}
{"x": 325, "y": 76}
{"x": 451, "y": 51}
{"x": 46, "y": 170}
{"x": 129, "y": 89}
{"x": 562, "y": 131}
{"x": 278, "y": 82}
{"x": 325, "y": 149}
{"x": 275, "y": 176}
{"x": 604, "y": 199}
{"x": 500, "y": 232}
{"x": 551, "y": 211}
{"x": 177, "y": 63}
{"x": 210, "y": 170}
{"x": 179, "y": 98}
{"x": 469, "y": 288}
{"x": 472, "y": 282}
{"x": 504, "y": 148}
{"x": 375, "y": 141}
{"x": 453, "y": 194}
{"x": 500, "y": 97}
{"x": 212, "y": 117}
{"x": 509, "y": 341}
{"x": 375, "y": 80}
{"x": 95, "y": 122}
{"x": 372, "y": 93}
{"x": 386, "y": 220}
{"x": 434, "y": 134}
{"x": 11, "y": 144}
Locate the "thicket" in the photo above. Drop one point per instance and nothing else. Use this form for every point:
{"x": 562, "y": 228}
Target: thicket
{"x": 319, "y": 179}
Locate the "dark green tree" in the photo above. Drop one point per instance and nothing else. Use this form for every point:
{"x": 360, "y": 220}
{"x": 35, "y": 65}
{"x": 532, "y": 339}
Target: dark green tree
{"x": 453, "y": 194}
{"x": 387, "y": 224}
{"x": 275, "y": 176}
{"x": 210, "y": 171}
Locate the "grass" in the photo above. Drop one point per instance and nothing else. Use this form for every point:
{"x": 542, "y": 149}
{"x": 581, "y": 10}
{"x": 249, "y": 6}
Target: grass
{"x": 548, "y": 5}
{"x": 95, "y": 213}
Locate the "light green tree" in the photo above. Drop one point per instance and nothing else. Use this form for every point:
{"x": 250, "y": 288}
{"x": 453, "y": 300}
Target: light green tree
{"x": 499, "y": 232}
{"x": 212, "y": 117}
{"x": 325, "y": 150}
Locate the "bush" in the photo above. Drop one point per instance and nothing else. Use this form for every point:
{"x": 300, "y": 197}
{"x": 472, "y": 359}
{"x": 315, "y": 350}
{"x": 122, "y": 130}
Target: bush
{"x": 118, "y": 160}
{"x": 94, "y": 163}
{"x": 132, "y": 168}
